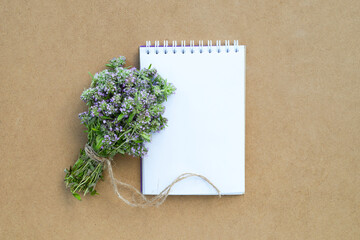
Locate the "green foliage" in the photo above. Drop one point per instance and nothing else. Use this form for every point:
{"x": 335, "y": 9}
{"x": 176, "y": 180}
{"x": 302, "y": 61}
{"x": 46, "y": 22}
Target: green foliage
{"x": 84, "y": 175}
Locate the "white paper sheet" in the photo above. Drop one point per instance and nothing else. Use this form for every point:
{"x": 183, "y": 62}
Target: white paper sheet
{"x": 206, "y": 122}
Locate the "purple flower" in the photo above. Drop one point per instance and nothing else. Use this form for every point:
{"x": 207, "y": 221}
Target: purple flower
{"x": 113, "y": 92}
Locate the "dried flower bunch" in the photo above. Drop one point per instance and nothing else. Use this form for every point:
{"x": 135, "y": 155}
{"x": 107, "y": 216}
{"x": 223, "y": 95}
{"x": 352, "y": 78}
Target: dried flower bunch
{"x": 124, "y": 109}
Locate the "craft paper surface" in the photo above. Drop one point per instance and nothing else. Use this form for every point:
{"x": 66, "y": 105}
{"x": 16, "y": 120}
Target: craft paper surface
{"x": 302, "y": 118}
{"x": 206, "y": 121}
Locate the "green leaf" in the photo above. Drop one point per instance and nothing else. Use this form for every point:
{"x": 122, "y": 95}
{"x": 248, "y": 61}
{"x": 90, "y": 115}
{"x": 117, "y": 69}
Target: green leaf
{"x": 150, "y": 66}
{"x": 145, "y": 136}
{"x": 94, "y": 193}
{"x": 120, "y": 116}
{"x": 77, "y": 196}
{"x": 136, "y": 96}
{"x": 94, "y": 129}
{"x": 92, "y": 77}
{"x": 99, "y": 140}
{"x": 131, "y": 117}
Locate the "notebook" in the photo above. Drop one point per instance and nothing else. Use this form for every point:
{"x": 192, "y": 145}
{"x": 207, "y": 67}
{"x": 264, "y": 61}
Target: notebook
{"x": 206, "y": 119}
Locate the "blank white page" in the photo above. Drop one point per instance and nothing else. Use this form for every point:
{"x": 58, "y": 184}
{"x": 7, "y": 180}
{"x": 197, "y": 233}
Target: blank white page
{"x": 206, "y": 121}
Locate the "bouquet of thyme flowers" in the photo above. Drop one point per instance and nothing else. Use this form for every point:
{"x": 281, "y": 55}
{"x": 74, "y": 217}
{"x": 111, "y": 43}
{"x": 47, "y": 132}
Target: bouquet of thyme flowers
{"x": 124, "y": 109}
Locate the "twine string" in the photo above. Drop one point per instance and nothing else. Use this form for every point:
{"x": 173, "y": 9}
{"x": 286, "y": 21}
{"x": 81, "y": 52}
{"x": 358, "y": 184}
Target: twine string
{"x": 139, "y": 199}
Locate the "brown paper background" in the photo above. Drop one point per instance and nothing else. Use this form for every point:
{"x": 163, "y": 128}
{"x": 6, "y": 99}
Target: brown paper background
{"x": 302, "y": 118}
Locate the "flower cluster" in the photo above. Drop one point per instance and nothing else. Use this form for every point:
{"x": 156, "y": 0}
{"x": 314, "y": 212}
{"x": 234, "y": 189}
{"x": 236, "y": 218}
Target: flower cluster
{"x": 124, "y": 108}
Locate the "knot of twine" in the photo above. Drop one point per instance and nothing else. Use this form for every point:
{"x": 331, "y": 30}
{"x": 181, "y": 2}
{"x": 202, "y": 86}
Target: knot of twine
{"x": 139, "y": 199}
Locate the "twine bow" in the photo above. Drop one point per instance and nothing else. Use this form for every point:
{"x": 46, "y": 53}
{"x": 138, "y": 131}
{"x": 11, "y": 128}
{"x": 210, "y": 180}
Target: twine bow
{"x": 138, "y": 199}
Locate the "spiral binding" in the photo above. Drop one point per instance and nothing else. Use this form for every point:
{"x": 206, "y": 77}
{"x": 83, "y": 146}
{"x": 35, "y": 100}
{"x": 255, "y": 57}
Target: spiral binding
{"x": 192, "y": 48}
